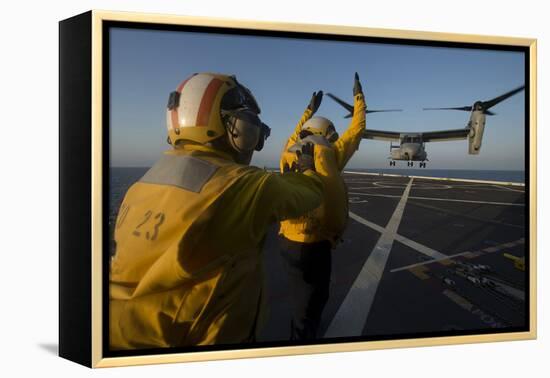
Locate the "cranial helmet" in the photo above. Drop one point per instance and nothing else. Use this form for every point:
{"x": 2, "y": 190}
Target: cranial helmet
{"x": 207, "y": 106}
{"x": 320, "y": 126}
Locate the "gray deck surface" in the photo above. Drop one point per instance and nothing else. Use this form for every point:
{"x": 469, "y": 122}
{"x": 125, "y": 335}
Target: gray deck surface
{"x": 417, "y": 256}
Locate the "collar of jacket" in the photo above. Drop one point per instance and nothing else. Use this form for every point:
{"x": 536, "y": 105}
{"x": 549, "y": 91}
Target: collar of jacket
{"x": 206, "y": 149}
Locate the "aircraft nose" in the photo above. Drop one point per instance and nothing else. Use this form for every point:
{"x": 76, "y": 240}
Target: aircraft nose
{"x": 411, "y": 151}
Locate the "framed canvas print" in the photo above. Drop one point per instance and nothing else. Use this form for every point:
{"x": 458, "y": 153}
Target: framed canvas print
{"x": 234, "y": 189}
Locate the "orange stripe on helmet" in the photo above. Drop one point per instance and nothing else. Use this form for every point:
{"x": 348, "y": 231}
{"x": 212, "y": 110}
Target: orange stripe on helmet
{"x": 174, "y": 118}
{"x": 207, "y": 101}
{"x": 182, "y": 84}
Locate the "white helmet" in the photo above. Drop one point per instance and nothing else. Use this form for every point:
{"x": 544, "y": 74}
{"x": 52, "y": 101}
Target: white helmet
{"x": 206, "y": 106}
{"x": 320, "y": 126}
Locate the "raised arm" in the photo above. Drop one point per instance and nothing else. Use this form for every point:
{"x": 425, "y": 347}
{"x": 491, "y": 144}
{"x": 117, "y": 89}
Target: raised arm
{"x": 348, "y": 143}
{"x": 312, "y": 107}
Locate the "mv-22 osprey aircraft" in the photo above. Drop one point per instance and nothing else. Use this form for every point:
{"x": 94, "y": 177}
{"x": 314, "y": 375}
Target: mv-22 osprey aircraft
{"x": 411, "y": 145}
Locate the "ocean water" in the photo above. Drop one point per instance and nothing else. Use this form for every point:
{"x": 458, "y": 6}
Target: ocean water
{"x": 120, "y": 179}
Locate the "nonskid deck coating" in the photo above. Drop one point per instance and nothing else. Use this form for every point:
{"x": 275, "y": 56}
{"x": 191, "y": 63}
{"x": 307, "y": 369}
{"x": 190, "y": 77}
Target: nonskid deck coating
{"x": 436, "y": 265}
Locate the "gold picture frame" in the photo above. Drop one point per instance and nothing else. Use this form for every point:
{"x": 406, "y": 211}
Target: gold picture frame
{"x": 91, "y": 265}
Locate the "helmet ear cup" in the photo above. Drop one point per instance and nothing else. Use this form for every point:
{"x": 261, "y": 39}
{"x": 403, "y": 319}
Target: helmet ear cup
{"x": 264, "y": 134}
{"x": 244, "y": 131}
{"x": 332, "y": 136}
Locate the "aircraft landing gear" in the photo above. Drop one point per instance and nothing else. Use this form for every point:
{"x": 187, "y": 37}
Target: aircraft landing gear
{"x": 422, "y": 165}
{"x": 392, "y": 163}
{"x": 410, "y": 164}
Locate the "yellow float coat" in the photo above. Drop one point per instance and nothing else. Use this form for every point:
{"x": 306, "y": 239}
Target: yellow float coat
{"x": 328, "y": 221}
{"x": 187, "y": 268}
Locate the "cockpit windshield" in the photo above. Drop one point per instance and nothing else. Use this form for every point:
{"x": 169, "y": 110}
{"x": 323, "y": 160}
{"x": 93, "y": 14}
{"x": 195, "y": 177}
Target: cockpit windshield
{"x": 412, "y": 139}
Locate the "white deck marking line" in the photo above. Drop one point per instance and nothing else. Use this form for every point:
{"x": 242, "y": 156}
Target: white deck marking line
{"x": 352, "y": 314}
{"x": 420, "y": 248}
{"x": 446, "y": 257}
{"x": 510, "y": 189}
{"x": 420, "y": 187}
{"x": 439, "y": 178}
{"x": 367, "y": 223}
{"x": 428, "y": 262}
{"x": 375, "y": 187}
{"x": 403, "y": 240}
{"x": 440, "y": 199}
{"x": 431, "y": 187}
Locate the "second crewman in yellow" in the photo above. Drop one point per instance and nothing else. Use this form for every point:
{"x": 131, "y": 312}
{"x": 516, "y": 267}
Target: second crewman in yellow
{"x": 307, "y": 241}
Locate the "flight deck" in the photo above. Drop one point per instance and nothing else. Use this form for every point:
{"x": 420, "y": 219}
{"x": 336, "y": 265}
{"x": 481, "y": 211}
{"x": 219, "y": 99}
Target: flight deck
{"x": 418, "y": 255}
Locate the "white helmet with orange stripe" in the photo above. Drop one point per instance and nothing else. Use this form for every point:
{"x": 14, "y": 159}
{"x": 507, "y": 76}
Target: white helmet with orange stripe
{"x": 207, "y": 106}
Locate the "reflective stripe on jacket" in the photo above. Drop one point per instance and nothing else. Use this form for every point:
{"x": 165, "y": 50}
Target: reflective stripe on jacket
{"x": 187, "y": 268}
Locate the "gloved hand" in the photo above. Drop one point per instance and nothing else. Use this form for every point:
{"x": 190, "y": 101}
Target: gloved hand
{"x": 305, "y": 158}
{"x": 357, "y": 89}
{"x": 290, "y": 168}
{"x": 315, "y": 102}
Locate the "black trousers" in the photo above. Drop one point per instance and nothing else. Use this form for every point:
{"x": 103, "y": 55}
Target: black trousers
{"x": 308, "y": 266}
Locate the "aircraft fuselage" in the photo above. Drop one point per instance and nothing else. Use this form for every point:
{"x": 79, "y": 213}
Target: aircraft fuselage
{"x": 411, "y": 148}
{"x": 410, "y": 152}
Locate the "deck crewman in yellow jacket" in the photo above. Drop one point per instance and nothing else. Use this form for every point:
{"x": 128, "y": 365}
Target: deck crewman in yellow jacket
{"x": 187, "y": 266}
{"x": 307, "y": 241}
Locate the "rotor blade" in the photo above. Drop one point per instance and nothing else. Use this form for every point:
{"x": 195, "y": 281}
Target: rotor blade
{"x": 349, "y": 107}
{"x": 342, "y": 103}
{"x": 465, "y": 108}
{"x": 489, "y": 104}
{"x": 384, "y": 110}
{"x": 488, "y": 112}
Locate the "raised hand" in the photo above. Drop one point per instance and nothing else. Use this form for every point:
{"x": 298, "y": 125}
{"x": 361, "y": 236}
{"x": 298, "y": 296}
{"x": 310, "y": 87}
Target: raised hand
{"x": 357, "y": 89}
{"x": 315, "y": 102}
{"x": 305, "y": 158}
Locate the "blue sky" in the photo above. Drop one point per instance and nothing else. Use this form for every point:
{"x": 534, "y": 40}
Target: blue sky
{"x": 282, "y": 74}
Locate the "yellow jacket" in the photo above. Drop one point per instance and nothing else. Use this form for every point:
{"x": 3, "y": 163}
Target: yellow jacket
{"x": 187, "y": 268}
{"x": 329, "y": 220}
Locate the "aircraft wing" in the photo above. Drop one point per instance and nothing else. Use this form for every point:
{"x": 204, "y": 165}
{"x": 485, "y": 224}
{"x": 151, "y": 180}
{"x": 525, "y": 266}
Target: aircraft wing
{"x": 445, "y": 135}
{"x": 427, "y": 136}
{"x": 381, "y": 135}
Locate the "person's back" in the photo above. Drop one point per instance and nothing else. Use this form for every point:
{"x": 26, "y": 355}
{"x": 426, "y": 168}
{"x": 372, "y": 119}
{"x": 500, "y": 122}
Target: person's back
{"x": 187, "y": 268}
